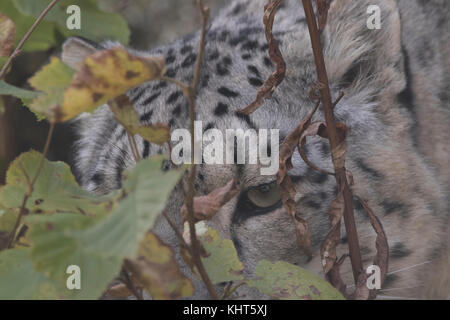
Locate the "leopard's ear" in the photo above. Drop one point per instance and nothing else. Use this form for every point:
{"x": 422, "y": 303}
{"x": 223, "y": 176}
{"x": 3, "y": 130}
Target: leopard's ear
{"x": 356, "y": 54}
{"x": 75, "y": 49}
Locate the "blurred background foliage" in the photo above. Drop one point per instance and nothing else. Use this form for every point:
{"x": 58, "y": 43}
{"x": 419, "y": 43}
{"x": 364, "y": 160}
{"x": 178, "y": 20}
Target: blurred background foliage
{"x": 140, "y": 24}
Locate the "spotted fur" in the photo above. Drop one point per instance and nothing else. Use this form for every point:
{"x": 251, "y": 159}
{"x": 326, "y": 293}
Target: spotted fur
{"x": 396, "y": 105}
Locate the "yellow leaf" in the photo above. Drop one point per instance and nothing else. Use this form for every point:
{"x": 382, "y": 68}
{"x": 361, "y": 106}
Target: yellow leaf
{"x": 104, "y": 76}
{"x": 127, "y": 116}
{"x": 158, "y": 271}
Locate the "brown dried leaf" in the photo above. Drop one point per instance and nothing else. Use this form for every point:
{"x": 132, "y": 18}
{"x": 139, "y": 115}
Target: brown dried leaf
{"x": 157, "y": 270}
{"x": 381, "y": 258}
{"x": 328, "y": 249}
{"x": 287, "y": 189}
{"x": 267, "y": 89}
{"x": 362, "y": 292}
{"x": 127, "y": 116}
{"x": 314, "y": 129}
{"x": 290, "y": 144}
{"x": 338, "y": 153}
{"x": 205, "y": 207}
{"x": 7, "y": 33}
{"x": 119, "y": 291}
{"x": 322, "y": 13}
{"x": 334, "y": 277}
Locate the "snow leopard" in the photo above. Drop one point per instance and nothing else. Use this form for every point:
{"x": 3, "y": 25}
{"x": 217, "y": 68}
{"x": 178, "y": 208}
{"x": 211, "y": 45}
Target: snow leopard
{"x": 396, "y": 105}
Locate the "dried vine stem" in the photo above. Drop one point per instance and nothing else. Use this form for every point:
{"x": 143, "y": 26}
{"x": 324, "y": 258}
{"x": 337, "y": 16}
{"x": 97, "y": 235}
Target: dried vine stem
{"x": 267, "y": 89}
{"x": 23, "y": 210}
{"x": 335, "y": 140}
{"x": 189, "y": 200}
{"x": 17, "y": 51}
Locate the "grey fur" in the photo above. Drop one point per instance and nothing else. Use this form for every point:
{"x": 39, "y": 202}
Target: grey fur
{"x": 394, "y": 105}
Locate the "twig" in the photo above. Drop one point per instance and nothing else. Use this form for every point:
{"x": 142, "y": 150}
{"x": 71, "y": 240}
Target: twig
{"x": 341, "y": 95}
{"x": 335, "y": 141}
{"x": 179, "y": 235}
{"x": 23, "y": 211}
{"x": 130, "y": 285}
{"x": 192, "y": 91}
{"x": 229, "y": 290}
{"x": 180, "y": 84}
{"x": 17, "y": 51}
{"x": 133, "y": 146}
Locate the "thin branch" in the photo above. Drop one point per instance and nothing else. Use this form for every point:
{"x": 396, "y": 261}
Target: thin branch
{"x": 134, "y": 148}
{"x": 229, "y": 290}
{"x": 23, "y": 210}
{"x": 335, "y": 140}
{"x": 178, "y": 233}
{"x": 191, "y": 181}
{"x": 126, "y": 279}
{"x": 180, "y": 84}
{"x": 18, "y": 50}
{"x": 339, "y": 98}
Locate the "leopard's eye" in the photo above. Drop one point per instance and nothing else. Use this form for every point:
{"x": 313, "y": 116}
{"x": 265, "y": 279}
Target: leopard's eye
{"x": 264, "y": 196}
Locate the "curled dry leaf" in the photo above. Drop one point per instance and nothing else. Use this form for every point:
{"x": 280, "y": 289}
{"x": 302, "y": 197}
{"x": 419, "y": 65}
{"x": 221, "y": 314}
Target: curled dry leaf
{"x": 339, "y": 152}
{"x": 287, "y": 189}
{"x": 120, "y": 291}
{"x": 127, "y": 116}
{"x": 315, "y": 129}
{"x": 103, "y": 76}
{"x": 267, "y": 89}
{"x": 205, "y": 207}
{"x": 328, "y": 249}
{"x": 157, "y": 270}
{"x": 362, "y": 292}
{"x": 7, "y": 33}
{"x": 322, "y": 13}
{"x": 290, "y": 144}
{"x": 381, "y": 258}
{"x": 334, "y": 277}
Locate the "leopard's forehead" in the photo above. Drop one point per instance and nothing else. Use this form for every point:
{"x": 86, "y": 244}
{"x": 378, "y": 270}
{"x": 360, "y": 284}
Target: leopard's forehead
{"x": 236, "y": 64}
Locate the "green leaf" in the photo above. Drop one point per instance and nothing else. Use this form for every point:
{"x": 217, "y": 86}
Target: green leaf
{"x": 7, "y": 89}
{"x": 99, "y": 246}
{"x": 55, "y": 189}
{"x": 25, "y": 95}
{"x": 8, "y": 219}
{"x": 147, "y": 189}
{"x": 57, "y": 243}
{"x": 95, "y": 24}
{"x": 222, "y": 264}
{"x": 41, "y": 39}
{"x": 52, "y": 80}
{"x": 18, "y": 279}
{"x": 285, "y": 281}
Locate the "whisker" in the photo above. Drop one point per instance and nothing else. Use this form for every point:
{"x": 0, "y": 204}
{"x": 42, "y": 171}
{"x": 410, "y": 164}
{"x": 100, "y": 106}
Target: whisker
{"x": 409, "y": 268}
{"x": 403, "y": 288}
